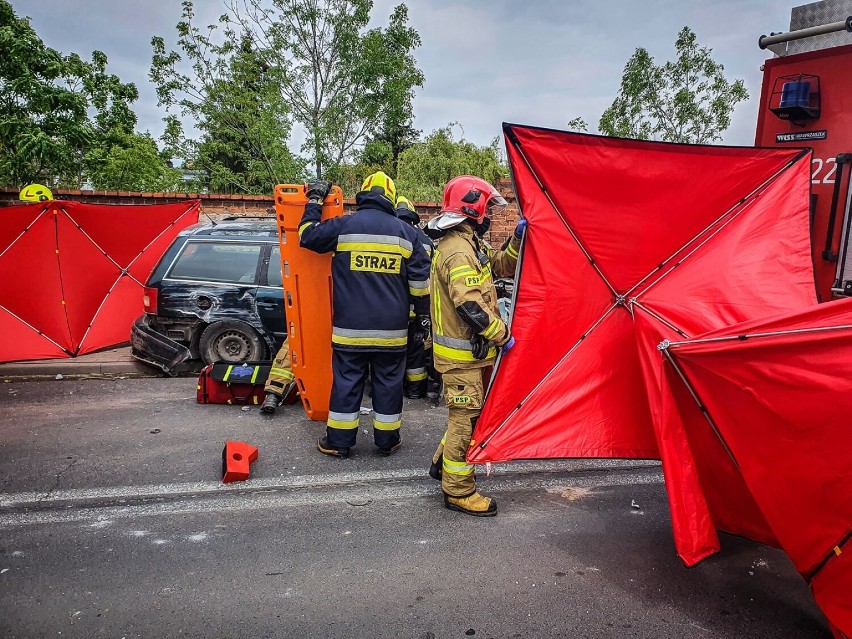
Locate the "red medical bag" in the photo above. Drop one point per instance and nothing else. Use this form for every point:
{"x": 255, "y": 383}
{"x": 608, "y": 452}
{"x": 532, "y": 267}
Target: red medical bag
{"x": 224, "y": 383}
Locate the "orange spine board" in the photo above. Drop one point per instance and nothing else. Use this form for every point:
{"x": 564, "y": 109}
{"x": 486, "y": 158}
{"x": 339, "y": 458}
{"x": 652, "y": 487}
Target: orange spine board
{"x": 307, "y": 298}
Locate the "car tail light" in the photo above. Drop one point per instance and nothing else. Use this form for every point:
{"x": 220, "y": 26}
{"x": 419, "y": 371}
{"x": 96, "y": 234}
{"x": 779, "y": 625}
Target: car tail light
{"x": 149, "y": 300}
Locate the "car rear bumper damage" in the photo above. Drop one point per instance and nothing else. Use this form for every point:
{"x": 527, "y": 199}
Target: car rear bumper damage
{"x": 152, "y": 347}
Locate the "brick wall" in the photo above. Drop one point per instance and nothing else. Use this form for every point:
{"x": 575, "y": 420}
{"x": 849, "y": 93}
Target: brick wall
{"x": 220, "y": 206}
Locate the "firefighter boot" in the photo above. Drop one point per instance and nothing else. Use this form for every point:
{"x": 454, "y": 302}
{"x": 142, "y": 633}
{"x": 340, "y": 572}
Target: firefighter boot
{"x": 433, "y": 389}
{"x": 271, "y": 402}
{"x": 474, "y": 504}
{"x": 327, "y": 449}
{"x": 390, "y": 450}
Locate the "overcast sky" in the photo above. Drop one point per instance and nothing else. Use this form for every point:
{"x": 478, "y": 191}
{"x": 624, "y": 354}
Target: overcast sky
{"x": 539, "y": 62}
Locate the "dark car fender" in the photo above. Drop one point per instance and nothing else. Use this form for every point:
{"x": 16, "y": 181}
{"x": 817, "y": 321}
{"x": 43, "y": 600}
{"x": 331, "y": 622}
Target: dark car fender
{"x": 152, "y": 347}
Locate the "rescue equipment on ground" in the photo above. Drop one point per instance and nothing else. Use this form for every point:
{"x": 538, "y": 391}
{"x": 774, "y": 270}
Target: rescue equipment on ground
{"x": 237, "y": 458}
{"x": 225, "y": 383}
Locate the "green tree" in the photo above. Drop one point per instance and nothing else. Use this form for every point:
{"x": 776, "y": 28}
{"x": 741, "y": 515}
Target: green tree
{"x": 230, "y": 94}
{"x": 578, "y": 124}
{"x": 58, "y": 114}
{"x": 688, "y": 100}
{"x": 344, "y": 84}
{"x": 131, "y": 163}
{"x": 42, "y": 121}
{"x": 427, "y": 166}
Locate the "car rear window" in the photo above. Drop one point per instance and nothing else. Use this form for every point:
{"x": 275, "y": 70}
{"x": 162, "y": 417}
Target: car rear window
{"x": 217, "y": 262}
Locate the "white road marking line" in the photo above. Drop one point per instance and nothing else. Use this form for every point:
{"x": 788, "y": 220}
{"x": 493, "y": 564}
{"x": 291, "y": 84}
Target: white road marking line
{"x": 302, "y": 481}
{"x": 333, "y": 493}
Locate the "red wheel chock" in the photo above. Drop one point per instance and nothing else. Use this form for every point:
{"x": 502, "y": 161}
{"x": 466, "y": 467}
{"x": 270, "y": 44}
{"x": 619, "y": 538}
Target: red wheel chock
{"x": 236, "y": 459}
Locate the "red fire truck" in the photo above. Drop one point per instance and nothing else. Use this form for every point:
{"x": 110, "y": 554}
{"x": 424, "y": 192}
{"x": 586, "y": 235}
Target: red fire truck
{"x": 806, "y": 100}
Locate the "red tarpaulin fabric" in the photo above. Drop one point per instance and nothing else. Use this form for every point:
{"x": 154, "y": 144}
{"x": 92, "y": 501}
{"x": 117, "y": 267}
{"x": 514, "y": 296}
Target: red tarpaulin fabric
{"x": 632, "y": 244}
{"x": 778, "y": 394}
{"x": 72, "y": 273}
{"x": 611, "y": 223}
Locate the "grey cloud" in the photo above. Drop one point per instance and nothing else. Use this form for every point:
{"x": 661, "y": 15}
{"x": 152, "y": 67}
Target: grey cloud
{"x": 539, "y": 62}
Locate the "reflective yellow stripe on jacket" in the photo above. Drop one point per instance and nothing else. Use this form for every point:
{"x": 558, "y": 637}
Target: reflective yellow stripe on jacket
{"x": 375, "y": 243}
{"x": 353, "y": 337}
{"x": 418, "y": 288}
{"x": 456, "y": 349}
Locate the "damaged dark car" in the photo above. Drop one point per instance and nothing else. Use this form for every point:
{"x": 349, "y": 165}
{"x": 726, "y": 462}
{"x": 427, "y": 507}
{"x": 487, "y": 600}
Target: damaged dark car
{"x": 215, "y": 295}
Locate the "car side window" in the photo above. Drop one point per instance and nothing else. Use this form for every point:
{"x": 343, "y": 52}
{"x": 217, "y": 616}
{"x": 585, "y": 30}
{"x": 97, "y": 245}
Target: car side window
{"x": 273, "y": 269}
{"x": 233, "y": 262}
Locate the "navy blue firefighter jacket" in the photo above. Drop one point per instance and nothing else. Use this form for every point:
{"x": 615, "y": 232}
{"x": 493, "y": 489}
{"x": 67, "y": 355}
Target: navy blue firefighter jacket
{"x": 379, "y": 267}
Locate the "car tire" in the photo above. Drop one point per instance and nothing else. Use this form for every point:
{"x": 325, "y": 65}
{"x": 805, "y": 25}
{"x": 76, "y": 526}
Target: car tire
{"x": 231, "y": 341}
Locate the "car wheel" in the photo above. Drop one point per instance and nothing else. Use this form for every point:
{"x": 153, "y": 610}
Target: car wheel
{"x": 231, "y": 341}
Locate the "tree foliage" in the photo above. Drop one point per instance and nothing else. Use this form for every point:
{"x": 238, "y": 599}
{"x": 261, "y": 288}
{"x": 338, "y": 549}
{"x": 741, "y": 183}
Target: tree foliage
{"x": 230, "y": 94}
{"x": 427, "y": 166}
{"x": 342, "y": 82}
{"x": 688, "y": 100}
{"x": 132, "y": 163}
{"x": 61, "y": 116}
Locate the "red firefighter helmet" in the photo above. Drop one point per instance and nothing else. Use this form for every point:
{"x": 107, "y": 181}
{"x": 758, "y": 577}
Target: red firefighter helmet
{"x": 471, "y": 197}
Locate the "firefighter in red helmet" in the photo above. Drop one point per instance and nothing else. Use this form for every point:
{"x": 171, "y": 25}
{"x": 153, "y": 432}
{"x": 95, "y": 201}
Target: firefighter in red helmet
{"x": 467, "y": 328}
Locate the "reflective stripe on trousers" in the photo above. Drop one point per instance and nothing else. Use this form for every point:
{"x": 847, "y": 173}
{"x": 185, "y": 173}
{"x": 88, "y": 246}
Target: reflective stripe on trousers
{"x": 350, "y": 370}
{"x": 281, "y": 373}
{"x": 463, "y": 393}
{"x": 387, "y": 422}
{"x": 415, "y": 374}
{"x": 344, "y": 420}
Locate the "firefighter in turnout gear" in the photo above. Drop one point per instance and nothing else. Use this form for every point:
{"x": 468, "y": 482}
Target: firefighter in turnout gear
{"x": 467, "y": 328}
{"x": 281, "y": 381}
{"x": 419, "y": 351}
{"x": 379, "y": 269}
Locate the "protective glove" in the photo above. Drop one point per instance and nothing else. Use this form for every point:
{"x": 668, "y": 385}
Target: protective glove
{"x": 425, "y": 324}
{"x": 317, "y": 190}
{"x": 423, "y": 328}
{"x": 520, "y": 228}
{"x": 508, "y": 345}
{"x": 480, "y": 346}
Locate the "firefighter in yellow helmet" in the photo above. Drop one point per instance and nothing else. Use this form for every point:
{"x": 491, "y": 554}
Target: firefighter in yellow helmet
{"x": 35, "y": 193}
{"x": 467, "y": 328}
{"x": 378, "y": 271}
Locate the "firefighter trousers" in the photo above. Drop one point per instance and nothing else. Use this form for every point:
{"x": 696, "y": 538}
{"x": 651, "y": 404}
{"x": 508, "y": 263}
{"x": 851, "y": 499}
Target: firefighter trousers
{"x": 281, "y": 375}
{"x": 416, "y": 360}
{"x": 350, "y": 369}
{"x": 464, "y": 391}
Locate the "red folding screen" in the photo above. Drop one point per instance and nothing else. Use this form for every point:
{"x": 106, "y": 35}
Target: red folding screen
{"x": 636, "y": 253}
{"x": 72, "y": 273}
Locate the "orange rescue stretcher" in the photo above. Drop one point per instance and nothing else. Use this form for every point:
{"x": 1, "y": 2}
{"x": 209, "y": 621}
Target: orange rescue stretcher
{"x": 307, "y": 298}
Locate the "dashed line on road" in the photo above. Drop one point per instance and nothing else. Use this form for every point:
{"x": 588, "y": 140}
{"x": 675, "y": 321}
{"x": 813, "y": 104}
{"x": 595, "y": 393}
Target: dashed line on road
{"x": 358, "y": 488}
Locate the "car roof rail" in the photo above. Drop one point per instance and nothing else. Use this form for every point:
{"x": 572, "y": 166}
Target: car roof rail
{"x": 237, "y": 218}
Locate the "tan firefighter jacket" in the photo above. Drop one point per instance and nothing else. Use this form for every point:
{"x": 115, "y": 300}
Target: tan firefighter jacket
{"x": 463, "y": 271}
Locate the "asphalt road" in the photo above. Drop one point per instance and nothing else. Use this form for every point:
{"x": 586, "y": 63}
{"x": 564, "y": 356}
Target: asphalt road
{"x": 113, "y": 524}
